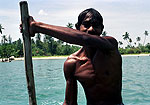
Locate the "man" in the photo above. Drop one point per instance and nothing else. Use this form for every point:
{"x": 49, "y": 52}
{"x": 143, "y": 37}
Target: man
{"x": 97, "y": 65}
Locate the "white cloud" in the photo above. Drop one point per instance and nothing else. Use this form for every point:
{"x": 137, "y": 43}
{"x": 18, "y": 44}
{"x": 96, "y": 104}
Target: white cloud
{"x": 10, "y": 20}
{"x": 42, "y": 12}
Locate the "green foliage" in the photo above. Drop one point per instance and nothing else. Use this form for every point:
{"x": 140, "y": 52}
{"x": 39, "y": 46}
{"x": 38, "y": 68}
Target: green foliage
{"x": 48, "y": 47}
{"x": 37, "y": 52}
{"x": 135, "y": 50}
{"x": 146, "y": 34}
{"x": 104, "y": 33}
{"x": 70, "y": 25}
{"x": 51, "y": 47}
{"x": 131, "y": 49}
{"x": 148, "y": 47}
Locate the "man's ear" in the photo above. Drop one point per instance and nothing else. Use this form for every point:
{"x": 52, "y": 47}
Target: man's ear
{"x": 77, "y": 26}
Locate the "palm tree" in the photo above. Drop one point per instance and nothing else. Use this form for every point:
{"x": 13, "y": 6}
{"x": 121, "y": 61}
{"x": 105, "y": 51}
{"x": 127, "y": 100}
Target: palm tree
{"x": 126, "y": 37}
{"x": 1, "y": 28}
{"x": 120, "y": 43}
{"x": 146, "y": 34}
{"x": 38, "y": 41}
{"x": 104, "y": 33}
{"x": 38, "y": 36}
{"x": 130, "y": 41}
{"x": 9, "y": 39}
{"x": 138, "y": 39}
{"x": 48, "y": 39}
{"x": 70, "y": 25}
{"x": 60, "y": 41}
{"x": 135, "y": 43}
{"x": 4, "y": 39}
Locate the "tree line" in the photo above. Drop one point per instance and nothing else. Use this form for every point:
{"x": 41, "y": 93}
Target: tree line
{"x": 134, "y": 47}
{"x": 50, "y": 46}
{"x": 46, "y": 47}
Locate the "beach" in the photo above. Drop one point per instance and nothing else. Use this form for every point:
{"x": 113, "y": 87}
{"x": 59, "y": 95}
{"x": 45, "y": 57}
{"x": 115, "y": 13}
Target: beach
{"x": 136, "y": 55}
{"x": 64, "y": 57}
{"x": 38, "y": 58}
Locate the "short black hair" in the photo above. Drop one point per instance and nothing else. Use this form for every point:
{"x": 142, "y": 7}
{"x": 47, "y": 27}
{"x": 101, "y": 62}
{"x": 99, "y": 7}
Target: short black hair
{"x": 96, "y": 15}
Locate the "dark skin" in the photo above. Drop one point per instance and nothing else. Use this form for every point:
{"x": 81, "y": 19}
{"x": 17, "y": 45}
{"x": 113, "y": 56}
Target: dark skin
{"x": 97, "y": 65}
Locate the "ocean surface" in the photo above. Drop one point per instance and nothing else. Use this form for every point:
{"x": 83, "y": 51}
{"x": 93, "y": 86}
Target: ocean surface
{"x": 50, "y": 82}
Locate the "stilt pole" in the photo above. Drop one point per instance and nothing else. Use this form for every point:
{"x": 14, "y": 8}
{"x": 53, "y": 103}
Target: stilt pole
{"x": 27, "y": 53}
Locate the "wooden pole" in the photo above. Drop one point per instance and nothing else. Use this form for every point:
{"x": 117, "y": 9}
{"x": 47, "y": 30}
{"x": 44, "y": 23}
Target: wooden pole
{"x": 27, "y": 52}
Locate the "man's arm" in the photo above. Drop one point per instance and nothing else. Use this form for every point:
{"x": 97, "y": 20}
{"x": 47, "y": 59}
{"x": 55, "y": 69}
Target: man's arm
{"x": 71, "y": 35}
{"x": 71, "y": 83}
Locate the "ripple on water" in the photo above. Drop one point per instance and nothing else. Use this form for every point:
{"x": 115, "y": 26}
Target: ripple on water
{"x": 50, "y": 82}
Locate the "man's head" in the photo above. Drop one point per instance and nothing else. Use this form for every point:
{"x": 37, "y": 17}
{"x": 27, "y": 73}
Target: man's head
{"x": 90, "y": 21}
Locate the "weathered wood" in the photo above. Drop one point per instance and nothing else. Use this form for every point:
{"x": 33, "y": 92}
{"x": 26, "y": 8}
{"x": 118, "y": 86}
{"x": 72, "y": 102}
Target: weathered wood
{"x": 27, "y": 52}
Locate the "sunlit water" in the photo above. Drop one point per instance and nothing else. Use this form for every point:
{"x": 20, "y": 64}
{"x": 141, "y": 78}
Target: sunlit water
{"x": 50, "y": 82}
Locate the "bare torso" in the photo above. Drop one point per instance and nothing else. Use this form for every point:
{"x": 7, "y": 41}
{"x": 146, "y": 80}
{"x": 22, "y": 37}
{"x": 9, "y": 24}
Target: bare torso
{"x": 97, "y": 66}
{"x": 100, "y": 75}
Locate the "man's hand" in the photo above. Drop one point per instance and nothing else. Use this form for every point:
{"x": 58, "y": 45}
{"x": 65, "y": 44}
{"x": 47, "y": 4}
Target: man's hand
{"x": 31, "y": 26}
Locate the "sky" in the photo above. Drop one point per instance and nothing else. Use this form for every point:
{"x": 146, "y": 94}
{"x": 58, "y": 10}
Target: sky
{"x": 120, "y": 16}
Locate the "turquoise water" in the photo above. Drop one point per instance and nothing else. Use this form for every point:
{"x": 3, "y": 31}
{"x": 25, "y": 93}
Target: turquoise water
{"x": 50, "y": 82}
{"x": 136, "y": 80}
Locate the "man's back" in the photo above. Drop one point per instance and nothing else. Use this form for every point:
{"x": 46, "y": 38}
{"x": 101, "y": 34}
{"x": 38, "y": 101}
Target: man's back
{"x": 100, "y": 74}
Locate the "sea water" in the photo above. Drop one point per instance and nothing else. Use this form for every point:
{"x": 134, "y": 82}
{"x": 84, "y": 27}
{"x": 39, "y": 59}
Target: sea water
{"x": 50, "y": 82}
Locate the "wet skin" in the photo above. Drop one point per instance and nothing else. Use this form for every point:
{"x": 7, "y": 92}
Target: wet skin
{"x": 97, "y": 65}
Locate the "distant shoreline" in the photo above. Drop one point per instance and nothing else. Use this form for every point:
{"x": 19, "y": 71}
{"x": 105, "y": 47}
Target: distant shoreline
{"x": 40, "y": 58}
{"x": 135, "y": 55}
{"x": 65, "y": 57}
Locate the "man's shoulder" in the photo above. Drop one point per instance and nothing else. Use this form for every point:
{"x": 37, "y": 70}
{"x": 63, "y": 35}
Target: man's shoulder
{"x": 71, "y": 59}
{"x": 69, "y": 66}
{"x": 70, "y": 62}
{"x": 112, "y": 40}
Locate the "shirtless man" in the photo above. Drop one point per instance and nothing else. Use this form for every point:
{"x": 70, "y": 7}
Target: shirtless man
{"x": 97, "y": 65}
